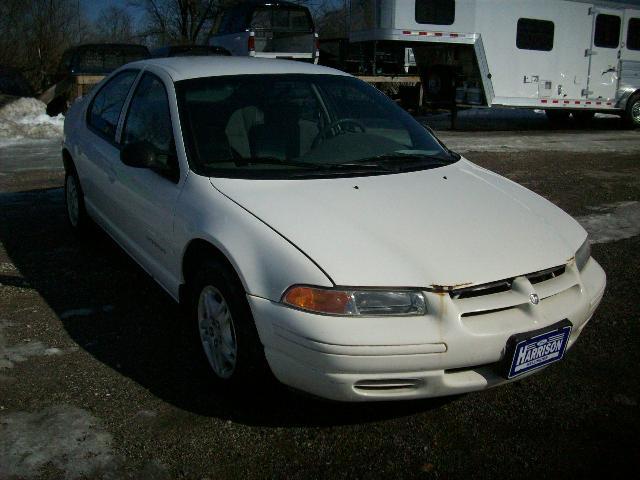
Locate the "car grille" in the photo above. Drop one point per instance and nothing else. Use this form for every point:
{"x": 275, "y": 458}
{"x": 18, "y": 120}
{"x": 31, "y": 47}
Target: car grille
{"x": 387, "y": 385}
{"x": 507, "y": 299}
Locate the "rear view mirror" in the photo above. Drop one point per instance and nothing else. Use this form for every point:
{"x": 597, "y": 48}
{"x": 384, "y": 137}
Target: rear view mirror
{"x": 138, "y": 155}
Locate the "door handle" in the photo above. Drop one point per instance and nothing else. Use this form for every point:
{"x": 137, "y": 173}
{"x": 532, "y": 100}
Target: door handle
{"x": 609, "y": 70}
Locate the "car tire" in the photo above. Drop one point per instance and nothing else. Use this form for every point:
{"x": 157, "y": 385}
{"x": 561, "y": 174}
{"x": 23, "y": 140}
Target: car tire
{"x": 223, "y": 326}
{"x": 632, "y": 112}
{"x": 557, "y": 117}
{"x": 74, "y": 203}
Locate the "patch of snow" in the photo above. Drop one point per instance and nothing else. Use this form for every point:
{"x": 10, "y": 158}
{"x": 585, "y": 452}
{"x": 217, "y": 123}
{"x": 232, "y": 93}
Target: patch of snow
{"x": 611, "y": 222}
{"x": 26, "y": 118}
{"x": 6, "y": 267}
{"x": 622, "y": 142}
{"x": 68, "y": 438}
{"x": 12, "y": 354}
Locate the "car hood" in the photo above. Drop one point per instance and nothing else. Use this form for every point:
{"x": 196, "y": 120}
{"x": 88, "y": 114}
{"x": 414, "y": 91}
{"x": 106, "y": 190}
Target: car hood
{"x": 452, "y": 226}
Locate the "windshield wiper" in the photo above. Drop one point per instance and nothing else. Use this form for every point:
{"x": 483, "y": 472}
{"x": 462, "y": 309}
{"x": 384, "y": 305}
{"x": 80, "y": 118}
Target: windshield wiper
{"x": 268, "y": 160}
{"x": 386, "y": 157}
{"x": 359, "y": 166}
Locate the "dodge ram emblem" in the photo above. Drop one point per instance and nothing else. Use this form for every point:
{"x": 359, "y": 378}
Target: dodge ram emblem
{"x": 534, "y": 298}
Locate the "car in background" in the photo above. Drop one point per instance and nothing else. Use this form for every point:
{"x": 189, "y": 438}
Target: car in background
{"x": 84, "y": 66}
{"x": 313, "y": 228}
{"x": 187, "y": 51}
{"x": 265, "y": 29}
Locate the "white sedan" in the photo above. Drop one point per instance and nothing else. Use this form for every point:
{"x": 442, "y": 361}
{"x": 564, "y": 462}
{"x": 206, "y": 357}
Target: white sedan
{"x": 315, "y": 229}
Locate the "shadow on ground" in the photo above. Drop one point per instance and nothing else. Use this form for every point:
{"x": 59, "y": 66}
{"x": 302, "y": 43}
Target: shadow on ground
{"x": 118, "y": 314}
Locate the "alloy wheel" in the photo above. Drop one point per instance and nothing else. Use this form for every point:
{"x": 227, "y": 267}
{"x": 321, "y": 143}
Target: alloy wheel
{"x": 217, "y": 332}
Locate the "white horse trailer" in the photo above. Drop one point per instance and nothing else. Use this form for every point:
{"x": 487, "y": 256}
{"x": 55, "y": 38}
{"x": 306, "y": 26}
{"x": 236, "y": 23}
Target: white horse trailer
{"x": 566, "y": 57}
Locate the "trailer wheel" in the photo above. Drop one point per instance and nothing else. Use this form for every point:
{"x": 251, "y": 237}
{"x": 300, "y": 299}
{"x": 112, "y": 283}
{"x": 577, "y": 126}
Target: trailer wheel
{"x": 557, "y": 117}
{"x": 632, "y": 113}
{"x": 583, "y": 117}
{"x": 439, "y": 83}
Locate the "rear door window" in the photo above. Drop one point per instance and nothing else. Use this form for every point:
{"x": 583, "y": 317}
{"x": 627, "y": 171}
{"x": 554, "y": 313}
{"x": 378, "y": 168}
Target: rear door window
{"x": 106, "y": 106}
{"x": 436, "y": 12}
{"x": 607, "y": 33}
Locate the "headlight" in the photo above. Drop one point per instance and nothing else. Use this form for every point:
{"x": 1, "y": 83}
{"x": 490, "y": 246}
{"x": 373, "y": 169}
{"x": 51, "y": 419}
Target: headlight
{"x": 352, "y": 302}
{"x": 583, "y": 254}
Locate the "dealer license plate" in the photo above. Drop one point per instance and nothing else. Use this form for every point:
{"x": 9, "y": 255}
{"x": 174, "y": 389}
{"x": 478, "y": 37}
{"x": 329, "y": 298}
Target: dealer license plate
{"x": 531, "y": 350}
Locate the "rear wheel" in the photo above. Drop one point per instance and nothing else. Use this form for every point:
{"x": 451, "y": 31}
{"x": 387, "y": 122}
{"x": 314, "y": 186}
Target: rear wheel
{"x": 632, "y": 112}
{"x": 439, "y": 84}
{"x": 74, "y": 203}
{"x": 225, "y": 327}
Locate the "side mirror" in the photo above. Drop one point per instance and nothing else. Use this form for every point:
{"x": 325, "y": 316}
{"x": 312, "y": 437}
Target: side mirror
{"x": 138, "y": 155}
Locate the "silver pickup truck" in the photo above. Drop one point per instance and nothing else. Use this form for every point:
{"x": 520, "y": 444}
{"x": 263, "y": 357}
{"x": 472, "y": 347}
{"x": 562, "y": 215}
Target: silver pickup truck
{"x": 267, "y": 29}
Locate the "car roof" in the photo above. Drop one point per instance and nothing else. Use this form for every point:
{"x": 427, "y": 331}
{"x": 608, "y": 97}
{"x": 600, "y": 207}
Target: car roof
{"x": 183, "y": 68}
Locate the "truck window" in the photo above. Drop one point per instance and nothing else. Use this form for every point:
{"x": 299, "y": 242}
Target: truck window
{"x": 633, "y": 34}
{"x": 535, "y": 34}
{"x": 280, "y": 18}
{"x": 436, "y": 12}
{"x": 100, "y": 59}
{"x": 607, "y": 31}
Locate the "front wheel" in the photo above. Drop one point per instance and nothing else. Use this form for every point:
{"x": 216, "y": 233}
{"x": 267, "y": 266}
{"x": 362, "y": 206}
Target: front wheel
{"x": 225, "y": 327}
{"x": 632, "y": 112}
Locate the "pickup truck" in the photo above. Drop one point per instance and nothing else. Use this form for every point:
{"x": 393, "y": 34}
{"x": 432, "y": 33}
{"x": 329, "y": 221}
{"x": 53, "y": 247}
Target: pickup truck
{"x": 268, "y": 30}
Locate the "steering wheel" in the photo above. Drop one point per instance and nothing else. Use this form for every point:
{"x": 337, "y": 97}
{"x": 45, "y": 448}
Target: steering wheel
{"x": 343, "y": 121}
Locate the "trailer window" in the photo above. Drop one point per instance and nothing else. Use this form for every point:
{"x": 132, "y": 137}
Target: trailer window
{"x": 633, "y": 35}
{"x": 436, "y": 12}
{"x": 607, "y": 31}
{"x": 535, "y": 34}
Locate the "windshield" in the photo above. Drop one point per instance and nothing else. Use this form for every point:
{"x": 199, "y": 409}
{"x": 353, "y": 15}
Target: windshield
{"x": 294, "y": 126}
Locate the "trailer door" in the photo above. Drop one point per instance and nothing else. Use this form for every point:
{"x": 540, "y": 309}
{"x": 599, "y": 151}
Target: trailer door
{"x": 604, "y": 53}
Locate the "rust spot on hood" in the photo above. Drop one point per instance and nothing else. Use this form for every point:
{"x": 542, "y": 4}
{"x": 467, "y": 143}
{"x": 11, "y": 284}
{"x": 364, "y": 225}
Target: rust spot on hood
{"x": 448, "y": 288}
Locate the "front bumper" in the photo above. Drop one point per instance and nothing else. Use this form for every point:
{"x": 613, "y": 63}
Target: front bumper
{"x": 453, "y": 349}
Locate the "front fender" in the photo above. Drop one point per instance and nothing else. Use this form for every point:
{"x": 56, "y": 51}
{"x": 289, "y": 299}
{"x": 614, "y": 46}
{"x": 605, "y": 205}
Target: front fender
{"x": 265, "y": 261}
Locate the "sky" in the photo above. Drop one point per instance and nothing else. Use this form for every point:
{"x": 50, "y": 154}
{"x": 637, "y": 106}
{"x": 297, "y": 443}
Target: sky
{"x": 92, "y": 7}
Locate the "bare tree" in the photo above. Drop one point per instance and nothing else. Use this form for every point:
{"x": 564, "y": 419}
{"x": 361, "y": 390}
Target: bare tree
{"x": 180, "y": 21}
{"x": 35, "y": 33}
{"x": 114, "y": 24}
